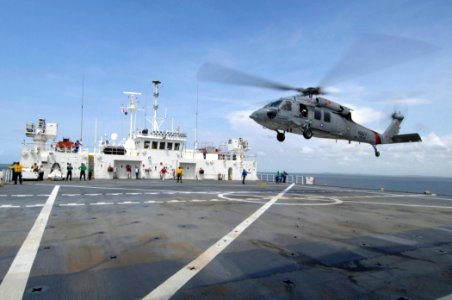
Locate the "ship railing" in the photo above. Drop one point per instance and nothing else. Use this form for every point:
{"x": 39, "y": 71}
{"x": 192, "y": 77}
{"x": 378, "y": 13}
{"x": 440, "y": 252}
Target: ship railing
{"x": 52, "y": 148}
{"x": 271, "y": 177}
{"x": 6, "y": 175}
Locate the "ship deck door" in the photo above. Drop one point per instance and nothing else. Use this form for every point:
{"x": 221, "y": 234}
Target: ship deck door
{"x": 91, "y": 163}
{"x": 189, "y": 170}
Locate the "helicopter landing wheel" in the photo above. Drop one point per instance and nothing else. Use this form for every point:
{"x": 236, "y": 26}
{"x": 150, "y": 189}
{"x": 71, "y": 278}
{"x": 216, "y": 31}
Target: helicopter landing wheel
{"x": 280, "y": 136}
{"x": 307, "y": 134}
{"x": 377, "y": 153}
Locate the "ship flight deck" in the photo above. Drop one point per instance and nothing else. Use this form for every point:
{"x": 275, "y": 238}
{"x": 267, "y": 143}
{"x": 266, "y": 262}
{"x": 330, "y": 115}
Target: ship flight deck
{"x": 151, "y": 239}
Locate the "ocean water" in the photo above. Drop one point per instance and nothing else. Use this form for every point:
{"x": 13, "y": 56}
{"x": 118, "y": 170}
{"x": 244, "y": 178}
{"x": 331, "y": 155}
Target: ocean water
{"x": 412, "y": 184}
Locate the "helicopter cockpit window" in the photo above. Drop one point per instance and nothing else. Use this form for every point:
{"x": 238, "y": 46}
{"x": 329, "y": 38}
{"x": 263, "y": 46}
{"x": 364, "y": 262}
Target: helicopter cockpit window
{"x": 286, "y": 106}
{"x": 275, "y": 104}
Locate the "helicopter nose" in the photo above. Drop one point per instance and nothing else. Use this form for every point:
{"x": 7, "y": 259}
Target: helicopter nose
{"x": 257, "y": 115}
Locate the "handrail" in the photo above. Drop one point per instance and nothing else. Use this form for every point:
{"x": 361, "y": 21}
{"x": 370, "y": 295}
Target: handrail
{"x": 270, "y": 177}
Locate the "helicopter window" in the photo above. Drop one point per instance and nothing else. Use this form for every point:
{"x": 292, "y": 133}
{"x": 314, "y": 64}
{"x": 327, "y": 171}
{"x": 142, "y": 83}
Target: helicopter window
{"x": 317, "y": 114}
{"x": 303, "y": 110}
{"x": 275, "y": 104}
{"x": 327, "y": 117}
{"x": 286, "y": 106}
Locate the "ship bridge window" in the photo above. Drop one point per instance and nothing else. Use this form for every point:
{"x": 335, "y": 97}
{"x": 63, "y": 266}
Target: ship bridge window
{"x": 169, "y": 146}
{"x": 154, "y": 145}
{"x": 286, "y": 106}
{"x": 176, "y": 146}
{"x": 146, "y": 144}
{"x": 162, "y": 146}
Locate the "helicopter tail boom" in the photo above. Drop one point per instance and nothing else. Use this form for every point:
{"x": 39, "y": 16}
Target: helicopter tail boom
{"x": 392, "y": 136}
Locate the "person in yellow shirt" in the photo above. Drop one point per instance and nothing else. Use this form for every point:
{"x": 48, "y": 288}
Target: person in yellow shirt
{"x": 17, "y": 171}
{"x": 179, "y": 174}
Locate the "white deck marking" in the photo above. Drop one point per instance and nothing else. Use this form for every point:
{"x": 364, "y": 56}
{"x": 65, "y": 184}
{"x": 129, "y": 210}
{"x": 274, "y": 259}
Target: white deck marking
{"x": 15, "y": 281}
{"x": 113, "y": 194}
{"x": 394, "y": 239}
{"x": 35, "y": 205}
{"x": 93, "y": 194}
{"x": 168, "y": 288}
{"x": 448, "y": 297}
{"x": 129, "y": 202}
{"x": 101, "y": 203}
{"x": 70, "y": 195}
{"x": 72, "y": 204}
{"x": 9, "y": 206}
{"x": 398, "y": 204}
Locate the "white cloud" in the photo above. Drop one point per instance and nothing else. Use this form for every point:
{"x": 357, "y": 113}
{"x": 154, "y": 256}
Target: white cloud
{"x": 366, "y": 115}
{"x": 407, "y": 101}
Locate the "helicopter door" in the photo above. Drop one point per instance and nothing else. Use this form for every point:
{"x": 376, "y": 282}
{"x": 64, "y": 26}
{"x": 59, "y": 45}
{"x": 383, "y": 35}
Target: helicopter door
{"x": 303, "y": 111}
{"x": 286, "y": 110}
{"x": 326, "y": 121}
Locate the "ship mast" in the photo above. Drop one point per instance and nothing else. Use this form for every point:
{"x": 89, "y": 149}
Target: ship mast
{"x": 132, "y": 108}
{"x": 155, "y": 126}
{"x": 82, "y": 100}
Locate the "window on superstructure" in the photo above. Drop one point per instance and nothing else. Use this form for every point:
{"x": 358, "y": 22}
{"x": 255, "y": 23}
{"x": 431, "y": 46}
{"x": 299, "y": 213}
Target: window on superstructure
{"x": 169, "y": 146}
{"x": 162, "y": 146}
{"x": 154, "y": 145}
{"x": 176, "y": 146}
{"x": 146, "y": 144}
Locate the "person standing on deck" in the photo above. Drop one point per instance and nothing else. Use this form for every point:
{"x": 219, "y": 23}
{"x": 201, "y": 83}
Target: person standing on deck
{"x": 179, "y": 174}
{"x": 82, "y": 169}
{"x": 69, "y": 171}
{"x": 137, "y": 171}
{"x": 90, "y": 172}
{"x": 244, "y": 173}
{"x": 17, "y": 171}
{"x": 129, "y": 171}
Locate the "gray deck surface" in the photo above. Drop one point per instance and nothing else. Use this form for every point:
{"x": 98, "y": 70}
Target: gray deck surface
{"x": 122, "y": 239}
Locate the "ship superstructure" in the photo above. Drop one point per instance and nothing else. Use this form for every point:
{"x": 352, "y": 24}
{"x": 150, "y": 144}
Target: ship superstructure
{"x": 148, "y": 151}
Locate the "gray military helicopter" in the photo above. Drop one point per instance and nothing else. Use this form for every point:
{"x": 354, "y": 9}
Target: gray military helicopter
{"x": 308, "y": 113}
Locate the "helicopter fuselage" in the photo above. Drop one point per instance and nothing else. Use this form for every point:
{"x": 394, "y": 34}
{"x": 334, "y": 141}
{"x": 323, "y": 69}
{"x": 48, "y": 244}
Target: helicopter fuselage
{"x": 319, "y": 117}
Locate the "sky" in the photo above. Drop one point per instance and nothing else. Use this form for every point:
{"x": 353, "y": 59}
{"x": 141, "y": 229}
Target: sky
{"x": 49, "y": 48}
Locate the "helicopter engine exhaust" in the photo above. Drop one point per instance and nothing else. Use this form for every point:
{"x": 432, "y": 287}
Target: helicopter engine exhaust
{"x": 343, "y": 110}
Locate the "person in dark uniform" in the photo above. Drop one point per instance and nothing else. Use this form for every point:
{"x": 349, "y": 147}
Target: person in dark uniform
{"x": 82, "y": 169}
{"x": 69, "y": 169}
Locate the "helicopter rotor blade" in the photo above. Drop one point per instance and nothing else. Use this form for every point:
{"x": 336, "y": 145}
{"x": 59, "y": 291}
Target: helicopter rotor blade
{"x": 222, "y": 74}
{"x": 370, "y": 53}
